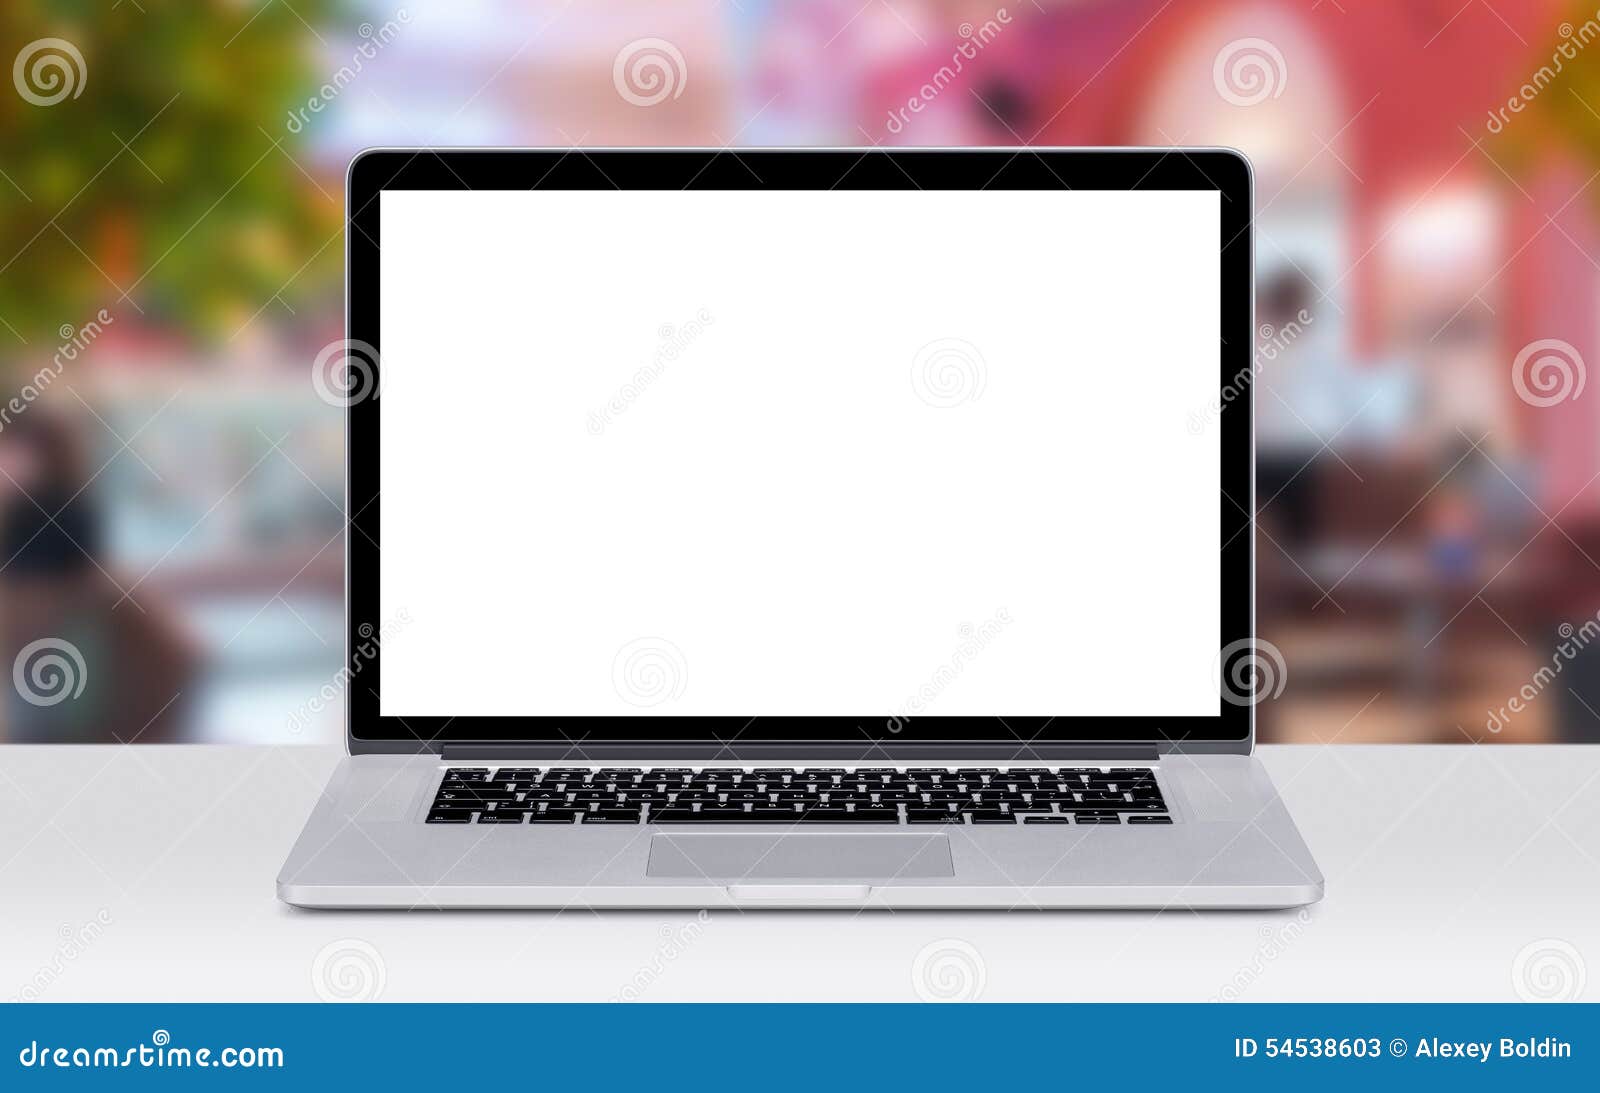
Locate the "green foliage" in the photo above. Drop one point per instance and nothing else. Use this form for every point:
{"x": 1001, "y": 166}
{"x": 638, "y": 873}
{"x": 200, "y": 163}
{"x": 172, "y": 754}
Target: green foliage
{"x": 200, "y": 219}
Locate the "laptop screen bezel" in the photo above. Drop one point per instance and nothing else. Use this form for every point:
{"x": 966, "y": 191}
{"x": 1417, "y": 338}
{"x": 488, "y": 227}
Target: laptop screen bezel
{"x": 1222, "y": 170}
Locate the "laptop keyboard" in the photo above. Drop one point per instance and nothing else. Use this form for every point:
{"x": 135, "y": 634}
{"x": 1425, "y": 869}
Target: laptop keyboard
{"x": 679, "y": 795}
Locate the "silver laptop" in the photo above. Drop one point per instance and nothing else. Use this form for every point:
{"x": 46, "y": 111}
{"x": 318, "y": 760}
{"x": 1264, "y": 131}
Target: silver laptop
{"x": 779, "y": 528}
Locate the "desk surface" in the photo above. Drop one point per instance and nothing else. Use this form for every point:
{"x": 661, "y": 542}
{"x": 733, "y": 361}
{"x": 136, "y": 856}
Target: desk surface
{"x": 1458, "y": 873}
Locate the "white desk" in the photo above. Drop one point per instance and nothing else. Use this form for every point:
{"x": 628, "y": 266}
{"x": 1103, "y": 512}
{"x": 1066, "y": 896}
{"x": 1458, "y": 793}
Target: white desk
{"x": 1442, "y": 865}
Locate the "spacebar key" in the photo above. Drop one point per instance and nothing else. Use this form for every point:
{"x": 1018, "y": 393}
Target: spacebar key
{"x": 823, "y": 814}
{"x": 710, "y": 814}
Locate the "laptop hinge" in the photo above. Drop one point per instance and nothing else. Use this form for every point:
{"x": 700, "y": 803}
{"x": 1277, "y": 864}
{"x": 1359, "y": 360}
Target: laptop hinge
{"x": 565, "y": 752}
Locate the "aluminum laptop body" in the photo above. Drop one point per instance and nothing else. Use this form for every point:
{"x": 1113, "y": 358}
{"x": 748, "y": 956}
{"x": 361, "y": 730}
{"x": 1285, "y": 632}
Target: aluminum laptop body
{"x": 842, "y": 528}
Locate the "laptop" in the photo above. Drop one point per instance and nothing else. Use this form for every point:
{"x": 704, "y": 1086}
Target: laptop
{"x": 845, "y": 528}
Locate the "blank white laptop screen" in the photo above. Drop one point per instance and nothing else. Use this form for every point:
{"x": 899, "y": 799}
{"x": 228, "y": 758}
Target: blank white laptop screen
{"x": 849, "y": 453}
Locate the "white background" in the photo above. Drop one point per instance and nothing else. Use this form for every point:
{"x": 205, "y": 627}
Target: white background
{"x": 777, "y": 519}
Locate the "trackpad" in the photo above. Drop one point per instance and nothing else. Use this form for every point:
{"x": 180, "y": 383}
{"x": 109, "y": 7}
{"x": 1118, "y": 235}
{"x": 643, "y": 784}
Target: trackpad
{"x": 799, "y": 855}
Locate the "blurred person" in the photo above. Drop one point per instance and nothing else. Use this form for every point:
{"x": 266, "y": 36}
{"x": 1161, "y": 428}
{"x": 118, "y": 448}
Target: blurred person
{"x": 88, "y": 664}
{"x": 1313, "y": 401}
{"x": 1454, "y": 513}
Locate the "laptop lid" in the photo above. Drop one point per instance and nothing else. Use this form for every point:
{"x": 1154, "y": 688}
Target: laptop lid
{"x": 850, "y": 452}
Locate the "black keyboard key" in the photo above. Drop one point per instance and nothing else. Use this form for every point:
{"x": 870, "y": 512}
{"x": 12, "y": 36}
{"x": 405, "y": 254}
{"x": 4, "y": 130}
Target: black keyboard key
{"x": 468, "y": 774}
{"x": 509, "y": 816}
{"x": 446, "y": 817}
{"x": 1098, "y": 818}
{"x": 1045, "y": 820}
{"x": 459, "y": 804}
{"x": 992, "y": 816}
{"x": 673, "y": 815}
{"x": 612, "y": 816}
{"x": 475, "y": 791}
{"x": 558, "y": 816}
{"x": 1149, "y": 819}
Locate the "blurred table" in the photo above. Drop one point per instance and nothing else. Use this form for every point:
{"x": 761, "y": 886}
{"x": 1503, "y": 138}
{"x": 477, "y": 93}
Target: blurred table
{"x": 1454, "y": 873}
